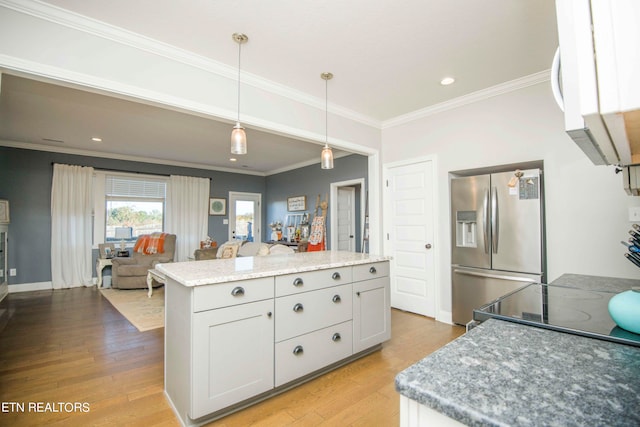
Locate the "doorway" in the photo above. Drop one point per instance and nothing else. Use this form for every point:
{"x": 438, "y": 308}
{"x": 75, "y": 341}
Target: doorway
{"x": 347, "y": 209}
{"x": 245, "y": 219}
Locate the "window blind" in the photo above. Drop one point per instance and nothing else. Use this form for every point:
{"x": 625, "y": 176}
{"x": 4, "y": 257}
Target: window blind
{"x": 118, "y": 186}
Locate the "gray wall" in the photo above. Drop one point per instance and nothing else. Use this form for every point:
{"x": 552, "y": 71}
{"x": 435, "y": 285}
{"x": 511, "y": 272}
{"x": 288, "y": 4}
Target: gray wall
{"x": 26, "y": 175}
{"x": 311, "y": 181}
{"x": 25, "y": 180}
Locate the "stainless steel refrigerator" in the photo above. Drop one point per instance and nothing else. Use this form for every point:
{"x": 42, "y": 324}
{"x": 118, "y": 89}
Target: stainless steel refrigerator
{"x": 497, "y": 237}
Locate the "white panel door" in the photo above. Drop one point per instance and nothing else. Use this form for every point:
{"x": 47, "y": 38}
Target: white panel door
{"x": 346, "y": 219}
{"x": 410, "y": 231}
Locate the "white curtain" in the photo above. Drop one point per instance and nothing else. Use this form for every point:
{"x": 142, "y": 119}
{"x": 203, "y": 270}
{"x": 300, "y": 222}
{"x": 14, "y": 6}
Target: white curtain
{"x": 187, "y": 213}
{"x": 71, "y": 228}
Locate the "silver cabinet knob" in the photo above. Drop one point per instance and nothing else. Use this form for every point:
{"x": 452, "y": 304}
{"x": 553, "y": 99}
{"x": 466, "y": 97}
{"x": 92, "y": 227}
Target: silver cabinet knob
{"x": 373, "y": 270}
{"x": 298, "y": 307}
{"x": 237, "y": 291}
{"x": 428, "y": 246}
{"x": 298, "y": 282}
{"x": 335, "y": 276}
{"x": 336, "y": 337}
{"x": 269, "y": 314}
{"x": 336, "y": 299}
{"x": 298, "y": 350}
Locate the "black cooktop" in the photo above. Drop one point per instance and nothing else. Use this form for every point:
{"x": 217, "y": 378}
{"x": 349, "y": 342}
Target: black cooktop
{"x": 565, "y": 309}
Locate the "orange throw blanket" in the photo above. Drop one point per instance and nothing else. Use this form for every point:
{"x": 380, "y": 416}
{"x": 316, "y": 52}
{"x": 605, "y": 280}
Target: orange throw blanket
{"x": 150, "y": 244}
{"x": 316, "y": 238}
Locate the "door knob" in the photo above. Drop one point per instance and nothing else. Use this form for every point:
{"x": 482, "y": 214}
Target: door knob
{"x": 428, "y": 246}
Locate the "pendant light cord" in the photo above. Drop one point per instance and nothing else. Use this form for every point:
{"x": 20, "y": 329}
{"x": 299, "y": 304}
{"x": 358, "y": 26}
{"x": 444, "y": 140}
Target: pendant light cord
{"x": 326, "y": 113}
{"x": 239, "y": 55}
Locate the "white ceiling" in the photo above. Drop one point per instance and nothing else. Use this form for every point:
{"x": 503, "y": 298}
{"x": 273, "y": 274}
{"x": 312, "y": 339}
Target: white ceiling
{"x": 387, "y": 56}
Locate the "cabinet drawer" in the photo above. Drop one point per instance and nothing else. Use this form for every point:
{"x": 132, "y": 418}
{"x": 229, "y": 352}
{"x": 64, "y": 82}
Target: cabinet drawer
{"x": 231, "y": 293}
{"x": 309, "y": 311}
{"x": 311, "y": 280}
{"x": 307, "y": 353}
{"x": 370, "y": 271}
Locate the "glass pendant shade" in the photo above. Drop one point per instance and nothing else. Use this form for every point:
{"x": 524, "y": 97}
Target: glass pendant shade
{"x": 238, "y": 140}
{"x": 326, "y": 158}
{"x": 238, "y": 135}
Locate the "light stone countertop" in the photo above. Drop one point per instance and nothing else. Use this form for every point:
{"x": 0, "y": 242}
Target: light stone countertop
{"x": 206, "y": 272}
{"x": 506, "y": 374}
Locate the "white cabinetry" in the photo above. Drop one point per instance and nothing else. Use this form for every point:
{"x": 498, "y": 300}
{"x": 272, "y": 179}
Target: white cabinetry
{"x": 313, "y": 322}
{"x": 232, "y": 343}
{"x": 371, "y": 305}
{"x": 600, "y": 62}
{"x": 218, "y": 344}
{"x": 232, "y": 355}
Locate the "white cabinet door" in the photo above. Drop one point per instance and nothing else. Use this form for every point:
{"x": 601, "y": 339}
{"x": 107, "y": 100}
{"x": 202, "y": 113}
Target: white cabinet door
{"x": 232, "y": 355}
{"x": 371, "y": 313}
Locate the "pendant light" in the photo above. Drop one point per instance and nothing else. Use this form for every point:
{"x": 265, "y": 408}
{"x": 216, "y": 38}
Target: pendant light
{"x": 238, "y": 135}
{"x": 326, "y": 158}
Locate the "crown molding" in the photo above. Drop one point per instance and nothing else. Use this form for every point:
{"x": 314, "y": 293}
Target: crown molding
{"x": 91, "y": 153}
{"x": 92, "y": 26}
{"x": 510, "y": 86}
{"x": 88, "y": 25}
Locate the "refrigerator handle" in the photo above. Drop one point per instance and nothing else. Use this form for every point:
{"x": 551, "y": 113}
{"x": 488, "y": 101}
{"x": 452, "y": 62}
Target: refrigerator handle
{"x": 495, "y": 220}
{"x": 495, "y": 276}
{"x": 485, "y": 216}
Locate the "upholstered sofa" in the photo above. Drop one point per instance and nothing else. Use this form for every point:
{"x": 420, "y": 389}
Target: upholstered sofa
{"x": 131, "y": 273}
{"x": 233, "y": 248}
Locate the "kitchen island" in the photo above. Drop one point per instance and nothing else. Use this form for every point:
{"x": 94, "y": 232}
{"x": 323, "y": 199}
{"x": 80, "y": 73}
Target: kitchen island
{"x": 511, "y": 374}
{"x": 240, "y": 330}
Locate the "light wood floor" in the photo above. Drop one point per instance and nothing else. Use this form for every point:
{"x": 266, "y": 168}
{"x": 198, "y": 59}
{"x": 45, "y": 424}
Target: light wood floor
{"x": 72, "y": 346}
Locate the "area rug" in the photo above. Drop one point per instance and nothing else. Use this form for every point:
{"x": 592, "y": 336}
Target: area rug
{"x": 143, "y": 312}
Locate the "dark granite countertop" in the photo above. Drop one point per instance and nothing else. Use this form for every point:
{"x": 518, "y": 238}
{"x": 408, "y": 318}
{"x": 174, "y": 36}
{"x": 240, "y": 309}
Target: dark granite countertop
{"x": 506, "y": 374}
{"x": 595, "y": 283}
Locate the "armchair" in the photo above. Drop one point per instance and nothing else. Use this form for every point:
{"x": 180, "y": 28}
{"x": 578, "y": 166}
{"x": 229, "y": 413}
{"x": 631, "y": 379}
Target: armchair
{"x": 149, "y": 250}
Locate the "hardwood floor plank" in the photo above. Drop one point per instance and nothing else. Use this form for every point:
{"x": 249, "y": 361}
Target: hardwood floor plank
{"x": 73, "y": 346}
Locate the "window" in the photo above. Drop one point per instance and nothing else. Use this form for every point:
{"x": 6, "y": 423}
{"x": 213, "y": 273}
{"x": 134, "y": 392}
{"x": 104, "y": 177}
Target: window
{"x": 132, "y": 205}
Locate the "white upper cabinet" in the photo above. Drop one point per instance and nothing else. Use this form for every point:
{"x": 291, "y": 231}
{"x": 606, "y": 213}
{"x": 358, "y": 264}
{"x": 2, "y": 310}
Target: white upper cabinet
{"x": 600, "y": 77}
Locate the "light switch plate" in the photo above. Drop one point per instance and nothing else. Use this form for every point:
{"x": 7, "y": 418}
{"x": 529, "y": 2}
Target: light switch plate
{"x": 634, "y": 214}
{"x": 226, "y": 221}
{"x": 12, "y": 272}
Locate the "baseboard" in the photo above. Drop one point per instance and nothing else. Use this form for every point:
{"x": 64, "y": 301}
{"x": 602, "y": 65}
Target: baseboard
{"x": 445, "y": 317}
{"x": 28, "y": 287}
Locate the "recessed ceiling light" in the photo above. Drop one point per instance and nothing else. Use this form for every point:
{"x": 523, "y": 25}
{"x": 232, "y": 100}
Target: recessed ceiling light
{"x": 96, "y": 139}
{"x": 447, "y": 81}
{"x": 233, "y": 159}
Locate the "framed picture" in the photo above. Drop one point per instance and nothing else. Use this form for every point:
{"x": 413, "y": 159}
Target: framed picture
{"x": 297, "y": 203}
{"x": 4, "y": 212}
{"x": 107, "y": 250}
{"x": 217, "y": 206}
